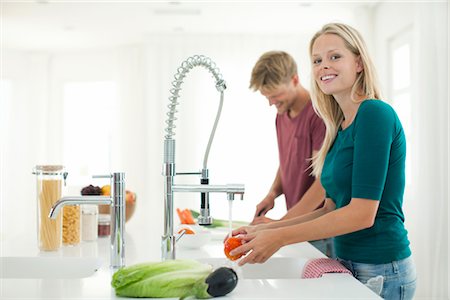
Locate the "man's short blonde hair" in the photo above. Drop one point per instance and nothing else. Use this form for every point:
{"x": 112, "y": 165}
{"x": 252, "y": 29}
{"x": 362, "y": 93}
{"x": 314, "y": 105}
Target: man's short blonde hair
{"x": 272, "y": 69}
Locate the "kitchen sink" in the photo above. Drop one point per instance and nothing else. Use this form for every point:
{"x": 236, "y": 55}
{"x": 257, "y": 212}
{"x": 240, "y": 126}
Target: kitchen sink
{"x": 48, "y": 267}
{"x": 273, "y": 268}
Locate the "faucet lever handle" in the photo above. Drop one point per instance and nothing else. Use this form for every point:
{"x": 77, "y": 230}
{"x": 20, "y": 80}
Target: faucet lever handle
{"x": 102, "y": 176}
{"x": 181, "y": 234}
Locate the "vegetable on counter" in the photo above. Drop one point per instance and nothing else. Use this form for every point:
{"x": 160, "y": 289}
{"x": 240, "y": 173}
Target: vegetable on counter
{"x": 222, "y": 281}
{"x": 173, "y": 278}
{"x": 185, "y": 216}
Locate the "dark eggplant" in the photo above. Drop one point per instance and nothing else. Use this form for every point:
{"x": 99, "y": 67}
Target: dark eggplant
{"x": 222, "y": 281}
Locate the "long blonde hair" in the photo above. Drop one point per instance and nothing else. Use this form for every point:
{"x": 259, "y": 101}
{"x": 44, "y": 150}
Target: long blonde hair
{"x": 325, "y": 105}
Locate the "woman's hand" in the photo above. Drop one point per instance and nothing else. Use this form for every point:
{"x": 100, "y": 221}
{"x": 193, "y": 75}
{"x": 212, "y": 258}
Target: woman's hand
{"x": 259, "y": 246}
{"x": 243, "y": 230}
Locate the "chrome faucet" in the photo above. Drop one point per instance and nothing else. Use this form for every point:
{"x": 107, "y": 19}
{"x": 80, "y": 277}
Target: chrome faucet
{"x": 168, "y": 239}
{"x": 117, "y": 203}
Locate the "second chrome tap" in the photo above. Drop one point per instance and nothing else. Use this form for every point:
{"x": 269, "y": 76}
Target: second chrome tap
{"x": 117, "y": 202}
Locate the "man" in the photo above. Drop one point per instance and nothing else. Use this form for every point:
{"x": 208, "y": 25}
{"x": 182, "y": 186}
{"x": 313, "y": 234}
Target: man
{"x": 300, "y": 133}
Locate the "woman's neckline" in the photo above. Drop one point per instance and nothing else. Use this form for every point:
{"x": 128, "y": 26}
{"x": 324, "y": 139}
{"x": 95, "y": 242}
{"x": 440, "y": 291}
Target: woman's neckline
{"x": 354, "y": 119}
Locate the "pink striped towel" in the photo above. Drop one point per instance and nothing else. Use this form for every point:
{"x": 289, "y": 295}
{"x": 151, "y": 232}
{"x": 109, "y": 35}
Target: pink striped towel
{"x": 315, "y": 268}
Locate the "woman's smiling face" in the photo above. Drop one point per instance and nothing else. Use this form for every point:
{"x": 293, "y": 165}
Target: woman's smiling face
{"x": 335, "y": 67}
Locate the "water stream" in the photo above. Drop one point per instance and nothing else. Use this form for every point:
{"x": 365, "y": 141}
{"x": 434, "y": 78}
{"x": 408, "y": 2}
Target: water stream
{"x": 230, "y": 217}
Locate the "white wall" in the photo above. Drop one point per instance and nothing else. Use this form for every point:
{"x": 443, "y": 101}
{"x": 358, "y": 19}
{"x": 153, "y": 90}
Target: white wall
{"x": 23, "y": 126}
{"x": 426, "y": 199}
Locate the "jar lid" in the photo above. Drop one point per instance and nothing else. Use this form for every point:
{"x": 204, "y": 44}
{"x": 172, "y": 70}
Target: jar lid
{"x": 104, "y": 219}
{"x": 48, "y": 169}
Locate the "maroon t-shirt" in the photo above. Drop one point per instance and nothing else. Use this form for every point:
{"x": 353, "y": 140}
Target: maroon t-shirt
{"x": 297, "y": 139}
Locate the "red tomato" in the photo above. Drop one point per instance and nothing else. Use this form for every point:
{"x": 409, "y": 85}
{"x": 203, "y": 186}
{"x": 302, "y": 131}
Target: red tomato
{"x": 230, "y": 244}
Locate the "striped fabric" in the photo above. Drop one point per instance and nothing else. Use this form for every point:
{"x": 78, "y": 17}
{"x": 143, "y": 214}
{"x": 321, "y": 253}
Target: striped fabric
{"x": 315, "y": 268}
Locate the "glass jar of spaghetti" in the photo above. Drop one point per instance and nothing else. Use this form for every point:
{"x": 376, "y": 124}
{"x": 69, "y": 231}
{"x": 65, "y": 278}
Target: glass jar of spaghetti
{"x": 49, "y": 182}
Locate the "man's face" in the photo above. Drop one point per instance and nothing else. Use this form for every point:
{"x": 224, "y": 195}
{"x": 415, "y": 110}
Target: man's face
{"x": 282, "y": 96}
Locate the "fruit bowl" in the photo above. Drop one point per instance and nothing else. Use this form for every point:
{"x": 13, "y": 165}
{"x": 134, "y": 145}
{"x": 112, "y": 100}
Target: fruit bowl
{"x": 130, "y": 199}
{"x": 130, "y": 202}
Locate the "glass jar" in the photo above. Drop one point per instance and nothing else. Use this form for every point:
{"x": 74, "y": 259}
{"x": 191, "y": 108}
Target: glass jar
{"x": 104, "y": 225}
{"x": 71, "y": 225}
{"x": 89, "y": 222}
{"x": 49, "y": 179}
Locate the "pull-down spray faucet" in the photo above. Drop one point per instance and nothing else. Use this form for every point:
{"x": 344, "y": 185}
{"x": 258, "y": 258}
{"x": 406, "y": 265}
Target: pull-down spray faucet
{"x": 168, "y": 239}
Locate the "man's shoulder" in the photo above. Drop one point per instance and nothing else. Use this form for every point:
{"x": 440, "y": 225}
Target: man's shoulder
{"x": 311, "y": 114}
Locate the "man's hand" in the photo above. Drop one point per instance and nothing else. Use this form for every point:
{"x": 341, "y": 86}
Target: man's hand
{"x": 261, "y": 220}
{"x": 264, "y": 206}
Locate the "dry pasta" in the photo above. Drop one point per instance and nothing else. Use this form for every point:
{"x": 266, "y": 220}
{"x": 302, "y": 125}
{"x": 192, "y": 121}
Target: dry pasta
{"x": 71, "y": 225}
{"x": 49, "y": 192}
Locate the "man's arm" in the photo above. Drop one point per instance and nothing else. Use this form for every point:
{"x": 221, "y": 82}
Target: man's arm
{"x": 311, "y": 200}
{"x": 269, "y": 201}
{"x": 294, "y": 220}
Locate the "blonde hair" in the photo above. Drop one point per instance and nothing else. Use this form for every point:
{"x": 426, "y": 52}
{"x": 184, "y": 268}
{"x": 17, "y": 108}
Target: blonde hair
{"x": 272, "y": 69}
{"x": 325, "y": 105}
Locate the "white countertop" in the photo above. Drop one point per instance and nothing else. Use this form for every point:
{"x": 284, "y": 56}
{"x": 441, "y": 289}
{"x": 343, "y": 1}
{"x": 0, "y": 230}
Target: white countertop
{"x": 139, "y": 249}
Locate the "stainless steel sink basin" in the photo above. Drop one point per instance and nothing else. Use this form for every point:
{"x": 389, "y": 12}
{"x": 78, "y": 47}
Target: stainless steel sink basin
{"x": 48, "y": 267}
{"x": 273, "y": 268}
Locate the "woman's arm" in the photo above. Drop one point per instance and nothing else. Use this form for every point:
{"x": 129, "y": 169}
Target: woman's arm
{"x": 357, "y": 215}
{"x": 311, "y": 200}
{"x": 261, "y": 245}
{"x": 327, "y": 207}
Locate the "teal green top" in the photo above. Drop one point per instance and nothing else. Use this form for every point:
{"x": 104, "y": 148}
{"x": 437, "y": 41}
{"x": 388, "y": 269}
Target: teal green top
{"x": 367, "y": 160}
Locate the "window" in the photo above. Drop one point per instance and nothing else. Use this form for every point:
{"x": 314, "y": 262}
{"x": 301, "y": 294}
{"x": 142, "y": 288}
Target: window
{"x": 89, "y": 109}
{"x": 401, "y": 90}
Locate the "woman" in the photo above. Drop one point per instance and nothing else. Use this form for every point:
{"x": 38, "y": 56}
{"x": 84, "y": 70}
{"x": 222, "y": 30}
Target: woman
{"x": 362, "y": 168}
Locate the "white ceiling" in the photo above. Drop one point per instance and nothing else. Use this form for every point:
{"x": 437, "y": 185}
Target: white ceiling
{"x": 54, "y": 25}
